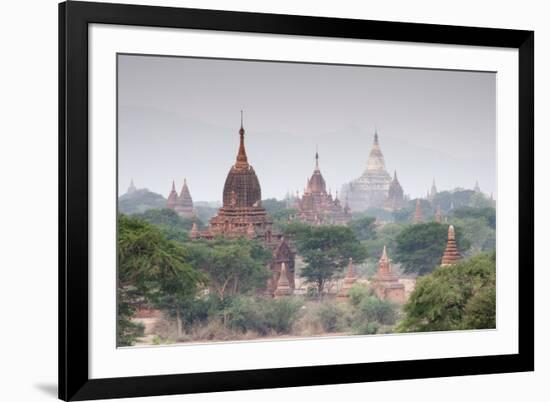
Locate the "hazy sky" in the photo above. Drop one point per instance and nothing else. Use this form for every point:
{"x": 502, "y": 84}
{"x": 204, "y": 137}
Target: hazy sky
{"x": 179, "y": 117}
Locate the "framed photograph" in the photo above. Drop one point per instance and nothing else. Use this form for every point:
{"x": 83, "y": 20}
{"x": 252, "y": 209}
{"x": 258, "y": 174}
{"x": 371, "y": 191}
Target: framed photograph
{"x": 258, "y": 201}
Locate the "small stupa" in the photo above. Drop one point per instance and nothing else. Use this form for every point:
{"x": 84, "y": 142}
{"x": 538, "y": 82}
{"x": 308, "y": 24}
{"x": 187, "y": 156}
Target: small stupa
{"x": 283, "y": 286}
{"x": 349, "y": 280}
{"x": 385, "y": 283}
{"x": 451, "y": 255}
{"x": 418, "y": 217}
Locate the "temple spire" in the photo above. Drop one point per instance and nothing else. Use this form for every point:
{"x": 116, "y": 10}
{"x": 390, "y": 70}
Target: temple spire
{"x": 172, "y": 197}
{"x": 349, "y": 280}
{"x": 194, "y": 230}
{"x": 384, "y": 256}
{"x": 242, "y": 160}
{"x": 418, "y": 217}
{"x": 451, "y": 255}
{"x": 283, "y": 286}
{"x": 316, "y": 158}
{"x": 132, "y": 188}
{"x": 384, "y": 268}
{"x": 437, "y": 216}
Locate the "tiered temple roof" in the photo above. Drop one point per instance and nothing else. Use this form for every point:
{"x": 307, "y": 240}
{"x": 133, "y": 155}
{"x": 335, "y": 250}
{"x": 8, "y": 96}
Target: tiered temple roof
{"x": 386, "y": 283}
{"x": 172, "y": 197}
{"x": 395, "y": 199}
{"x": 283, "y": 286}
{"x": 371, "y": 189}
{"x": 418, "y": 216}
{"x": 349, "y": 280}
{"x": 242, "y": 215}
{"x": 316, "y": 206}
{"x": 451, "y": 255}
{"x": 182, "y": 203}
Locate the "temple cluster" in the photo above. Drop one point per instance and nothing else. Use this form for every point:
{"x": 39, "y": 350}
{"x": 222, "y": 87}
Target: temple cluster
{"x": 242, "y": 215}
{"x": 182, "y": 203}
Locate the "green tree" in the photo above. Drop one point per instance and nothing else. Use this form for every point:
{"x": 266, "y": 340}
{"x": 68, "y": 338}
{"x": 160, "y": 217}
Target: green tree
{"x": 325, "y": 250}
{"x": 364, "y": 227}
{"x": 460, "y": 296}
{"x": 262, "y": 315}
{"x": 151, "y": 269}
{"x": 488, "y": 214}
{"x": 386, "y": 235}
{"x": 173, "y": 226}
{"x": 420, "y": 246}
{"x": 139, "y": 201}
{"x": 232, "y": 266}
{"x": 457, "y": 198}
{"x": 478, "y": 233}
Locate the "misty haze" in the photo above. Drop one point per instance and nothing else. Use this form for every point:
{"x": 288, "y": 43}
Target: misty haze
{"x": 179, "y": 118}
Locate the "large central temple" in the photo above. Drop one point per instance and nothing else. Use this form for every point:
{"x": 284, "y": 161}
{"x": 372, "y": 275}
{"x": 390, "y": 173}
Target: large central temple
{"x": 242, "y": 215}
{"x": 372, "y": 188}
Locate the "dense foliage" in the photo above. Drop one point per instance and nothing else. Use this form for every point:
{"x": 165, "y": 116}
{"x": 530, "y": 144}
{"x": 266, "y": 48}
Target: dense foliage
{"x": 151, "y": 269}
{"x": 325, "y": 250}
{"x": 262, "y": 315}
{"x": 460, "y": 296}
{"x": 140, "y": 201}
{"x": 232, "y": 266}
{"x": 421, "y": 246}
{"x": 173, "y": 226}
{"x": 363, "y": 227}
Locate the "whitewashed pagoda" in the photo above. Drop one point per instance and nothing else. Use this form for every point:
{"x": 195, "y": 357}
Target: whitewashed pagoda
{"x": 371, "y": 189}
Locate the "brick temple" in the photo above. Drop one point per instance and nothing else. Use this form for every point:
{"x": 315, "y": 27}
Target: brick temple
{"x": 182, "y": 203}
{"x": 316, "y": 206}
{"x": 242, "y": 215}
{"x": 386, "y": 283}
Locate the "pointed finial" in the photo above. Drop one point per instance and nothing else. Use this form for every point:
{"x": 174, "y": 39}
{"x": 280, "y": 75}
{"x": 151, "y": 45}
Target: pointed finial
{"x": 173, "y": 185}
{"x": 451, "y": 233}
{"x": 316, "y": 157}
{"x": 395, "y": 175}
{"x": 242, "y": 160}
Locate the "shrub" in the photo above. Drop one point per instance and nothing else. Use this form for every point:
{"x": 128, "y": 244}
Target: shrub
{"x": 460, "y": 296}
{"x": 331, "y": 316}
{"x": 358, "y": 292}
{"x": 366, "y": 328}
{"x": 373, "y": 309}
{"x": 262, "y": 315}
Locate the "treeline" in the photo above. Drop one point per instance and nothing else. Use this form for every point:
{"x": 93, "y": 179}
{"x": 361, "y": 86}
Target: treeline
{"x": 213, "y": 290}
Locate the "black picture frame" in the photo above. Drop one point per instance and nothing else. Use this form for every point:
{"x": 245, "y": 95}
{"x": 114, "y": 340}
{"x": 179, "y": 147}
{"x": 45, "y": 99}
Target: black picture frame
{"x": 74, "y": 18}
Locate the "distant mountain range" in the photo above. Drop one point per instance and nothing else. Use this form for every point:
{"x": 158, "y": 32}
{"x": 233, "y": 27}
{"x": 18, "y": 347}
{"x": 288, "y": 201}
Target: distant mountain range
{"x": 140, "y": 201}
